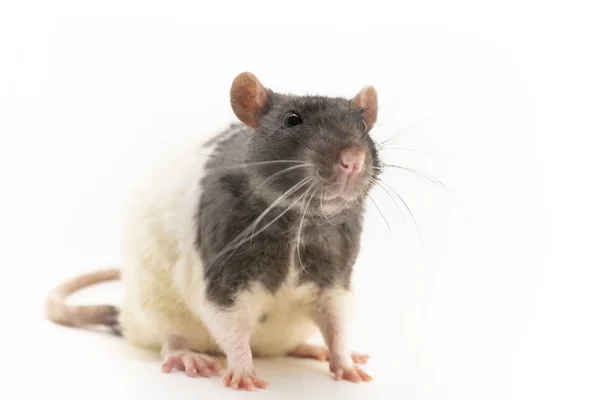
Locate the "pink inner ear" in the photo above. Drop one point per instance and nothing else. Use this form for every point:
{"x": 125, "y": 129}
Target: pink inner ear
{"x": 367, "y": 100}
{"x": 262, "y": 98}
{"x": 249, "y": 98}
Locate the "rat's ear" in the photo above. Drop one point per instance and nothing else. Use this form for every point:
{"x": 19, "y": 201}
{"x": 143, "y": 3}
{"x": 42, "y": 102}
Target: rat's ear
{"x": 249, "y": 98}
{"x": 367, "y": 100}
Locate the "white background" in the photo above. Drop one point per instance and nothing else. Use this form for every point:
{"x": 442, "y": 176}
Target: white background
{"x": 499, "y": 302}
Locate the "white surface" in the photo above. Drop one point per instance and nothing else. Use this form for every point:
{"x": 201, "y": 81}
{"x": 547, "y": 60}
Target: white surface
{"x": 504, "y": 304}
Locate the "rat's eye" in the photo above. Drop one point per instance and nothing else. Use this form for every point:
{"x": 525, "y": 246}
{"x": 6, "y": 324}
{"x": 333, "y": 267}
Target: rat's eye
{"x": 363, "y": 126}
{"x": 291, "y": 119}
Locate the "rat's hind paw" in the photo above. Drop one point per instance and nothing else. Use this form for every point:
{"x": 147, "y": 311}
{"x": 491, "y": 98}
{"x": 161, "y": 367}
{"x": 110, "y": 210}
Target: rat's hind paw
{"x": 192, "y": 363}
{"x": 305, "y": 350}
{"x": 321, "y": 353}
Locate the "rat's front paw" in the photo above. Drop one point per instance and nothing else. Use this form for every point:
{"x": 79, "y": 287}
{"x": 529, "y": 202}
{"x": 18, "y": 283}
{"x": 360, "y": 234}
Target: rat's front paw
{"x": 240, "y": 379}
{"x": 348, "y": 372}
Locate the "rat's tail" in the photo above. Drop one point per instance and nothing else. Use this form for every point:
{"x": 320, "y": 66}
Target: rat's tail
{"x": 58, "y": 311}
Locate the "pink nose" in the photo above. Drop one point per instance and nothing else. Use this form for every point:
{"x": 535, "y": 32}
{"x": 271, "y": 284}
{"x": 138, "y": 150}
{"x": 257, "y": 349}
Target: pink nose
{"x": 351, "y": 161}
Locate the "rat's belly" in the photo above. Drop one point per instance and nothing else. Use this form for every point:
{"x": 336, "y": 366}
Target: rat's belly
{"x": 286, "y": 319}
{"x": 280, "y": 329}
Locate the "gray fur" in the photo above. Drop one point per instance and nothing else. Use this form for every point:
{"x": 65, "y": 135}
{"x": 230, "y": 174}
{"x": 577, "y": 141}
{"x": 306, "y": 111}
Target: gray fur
{"x": 231, "y": 198}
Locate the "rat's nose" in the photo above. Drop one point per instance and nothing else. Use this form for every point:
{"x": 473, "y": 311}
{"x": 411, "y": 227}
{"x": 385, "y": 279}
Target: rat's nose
{"x": 351, "y": 161}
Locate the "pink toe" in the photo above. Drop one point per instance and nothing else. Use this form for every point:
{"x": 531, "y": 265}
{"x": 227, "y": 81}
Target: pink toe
{"x": 227, "y": 380}
{"x": 189, "y": 368}
{"x": 259, "y": 383}
{"x": 338, "y": 374}
{"x": 166, "y": 367}
{"x": 247, "y": 384}
{"x": 235, "y": 383}
{"x": 200, "y": 367}
{"x": 363, "y": 375}
{"x": 352, "y": 376}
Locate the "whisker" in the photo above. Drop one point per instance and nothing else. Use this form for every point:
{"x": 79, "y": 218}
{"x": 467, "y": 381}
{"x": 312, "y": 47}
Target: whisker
{"x": 271, "y": 177}
{"x": 242, "y": 240}
{"x": 321, "y": 178}
{"x": 407, "y": 209}
{"x": 422, "y": 174}
{"x": 252, "y": 164}
{"x": 378, "y": 209}
{"x": 447, "y": 191}
{"x": 412, "y": 150}
{"x": 284, "y": 211}
{"x": 391, "y": 197}
{"x": 323, "y": 211}
{"x": 411, "y": 126}
{"x": 435, "y": 182}
{"x": 274, "y": 204}
{"x": 298, "y": 238}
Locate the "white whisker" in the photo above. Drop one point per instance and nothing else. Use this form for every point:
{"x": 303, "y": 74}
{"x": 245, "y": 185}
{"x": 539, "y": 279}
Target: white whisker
{"x": 434, "y": 181}
{"x": 422, "y": 174}
{"x": 266, "y": 211}
{"x": 253, "y": 164}
{"x": 391, "y": 197}
{"x": 378, "y": 209}
{"x": 323, "y": 211}
{"x": 259, "y": 218}
{"x": 398, "y": 135}
{"x": 299, "y": 237}
{"x": 284, "y": 211}
{"x": 276, "y": 174}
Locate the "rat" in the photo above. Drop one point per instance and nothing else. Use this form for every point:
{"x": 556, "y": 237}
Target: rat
{"x": 243, "y": 245}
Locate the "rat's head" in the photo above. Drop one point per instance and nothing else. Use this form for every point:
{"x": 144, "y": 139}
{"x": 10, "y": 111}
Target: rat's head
{"x": 313, "y": 149}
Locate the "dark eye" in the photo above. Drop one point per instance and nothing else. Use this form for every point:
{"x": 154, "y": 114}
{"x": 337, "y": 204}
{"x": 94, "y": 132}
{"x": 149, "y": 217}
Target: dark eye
{"x": 363, "y": 125}
{"x": 291, "y": 119}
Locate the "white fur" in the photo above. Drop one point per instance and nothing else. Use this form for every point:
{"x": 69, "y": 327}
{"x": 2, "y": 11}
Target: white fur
{"x": 164, "y": 280}
{"x": 333, "y": 318}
